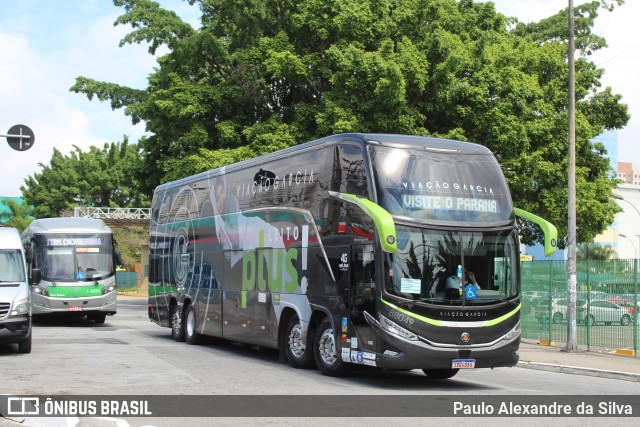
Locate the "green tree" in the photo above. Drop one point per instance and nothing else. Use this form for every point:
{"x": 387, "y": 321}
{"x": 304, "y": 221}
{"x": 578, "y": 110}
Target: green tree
{"x": 98, "y": 177}
{"x": 130, "y": 241}
{"x": 260, "y": 75}
{"x": 594, "y": 251}
{"x": 21, "y": 214}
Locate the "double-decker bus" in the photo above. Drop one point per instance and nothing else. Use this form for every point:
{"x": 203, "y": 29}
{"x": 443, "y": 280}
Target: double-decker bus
{"x": 71, "y": 267}
{"x": 351, "y": 249}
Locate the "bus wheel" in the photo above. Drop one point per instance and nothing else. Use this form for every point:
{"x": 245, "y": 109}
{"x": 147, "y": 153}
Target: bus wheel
{"x": 24, "y": 346}
{"x": 299, "y": 354}
{"x": 326, "y": 353}
{"x": 99, "y": 318}
{"x": 440, "y": 374}
{"x": 190, "y": 334}
{"x": 177, "y": 328}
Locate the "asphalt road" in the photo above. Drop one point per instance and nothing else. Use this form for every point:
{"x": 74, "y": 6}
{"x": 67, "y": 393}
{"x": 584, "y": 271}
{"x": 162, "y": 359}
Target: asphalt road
{"x": 129, "y": 355}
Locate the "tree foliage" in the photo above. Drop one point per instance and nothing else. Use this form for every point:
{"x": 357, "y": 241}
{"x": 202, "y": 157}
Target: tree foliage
{"x": 21, "y": 214}
{"x": 591, "y": 250}
{"x": 260, "y": 75}
{"x": 130, "y": 242}
{"x": 101, "y": 177}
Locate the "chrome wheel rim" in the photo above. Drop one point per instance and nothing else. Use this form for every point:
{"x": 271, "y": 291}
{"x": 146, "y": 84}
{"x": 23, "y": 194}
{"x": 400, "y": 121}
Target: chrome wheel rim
{"x": 191, "y": 323}
{"x": 327, "y": 347}
{"x": 296, "y": 344}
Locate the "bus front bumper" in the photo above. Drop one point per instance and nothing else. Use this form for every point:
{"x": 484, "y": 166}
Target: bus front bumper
{"x": 47, "y": 305}
{"x": 422, "y": 354}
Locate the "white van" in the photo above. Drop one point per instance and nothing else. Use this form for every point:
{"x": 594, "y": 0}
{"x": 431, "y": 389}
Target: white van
{"x": 15, "y": 298}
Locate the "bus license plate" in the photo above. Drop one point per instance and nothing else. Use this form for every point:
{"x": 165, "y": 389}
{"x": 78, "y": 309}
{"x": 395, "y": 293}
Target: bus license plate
{"x": 75, "y": 308}
{"x": 463, "y": 363}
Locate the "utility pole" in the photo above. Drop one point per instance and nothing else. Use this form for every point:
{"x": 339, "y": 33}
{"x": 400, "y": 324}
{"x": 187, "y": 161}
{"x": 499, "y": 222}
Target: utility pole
{"x": 572, "y": 343}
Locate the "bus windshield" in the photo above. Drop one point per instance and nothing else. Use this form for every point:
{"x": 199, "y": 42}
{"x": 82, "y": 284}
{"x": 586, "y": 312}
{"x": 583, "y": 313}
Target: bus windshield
{"x": 440, "y": 186}
{"x": 11, "y": 266}
{"x": 75, "y": 257}
{"x": 426, "y": 265}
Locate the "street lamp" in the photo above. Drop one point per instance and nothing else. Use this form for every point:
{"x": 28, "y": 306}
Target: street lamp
{"x": 619, "y": 197}
{"x": 633, "y": 244}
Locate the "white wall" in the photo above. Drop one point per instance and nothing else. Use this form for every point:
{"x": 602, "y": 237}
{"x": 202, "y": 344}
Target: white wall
{"x": 628, "y": 221}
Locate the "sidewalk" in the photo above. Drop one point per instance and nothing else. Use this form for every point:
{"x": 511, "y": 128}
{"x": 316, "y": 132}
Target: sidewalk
{"x": 602, "y": 363}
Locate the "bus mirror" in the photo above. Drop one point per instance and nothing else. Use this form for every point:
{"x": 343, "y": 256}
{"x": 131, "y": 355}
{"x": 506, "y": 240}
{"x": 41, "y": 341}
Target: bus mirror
{"x": 550, "y": 231}
{"x": 117, "y": 257}
{"x": 381, "y": 218}
{"x": 36, "y": 276}
{"x": 28, "y": 252}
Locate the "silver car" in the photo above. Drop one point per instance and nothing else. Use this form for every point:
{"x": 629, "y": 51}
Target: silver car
{"x": 606, "y": 312}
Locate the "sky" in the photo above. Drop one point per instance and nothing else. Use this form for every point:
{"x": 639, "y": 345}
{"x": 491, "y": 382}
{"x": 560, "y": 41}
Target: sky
{"x": 45, "y": 45}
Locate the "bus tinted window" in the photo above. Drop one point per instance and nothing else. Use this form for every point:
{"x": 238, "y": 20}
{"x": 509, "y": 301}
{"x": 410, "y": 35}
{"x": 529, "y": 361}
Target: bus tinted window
{"x": 426, "y": 260}
{"x": 438, "y": 186}
{"x": 72, "y": 257}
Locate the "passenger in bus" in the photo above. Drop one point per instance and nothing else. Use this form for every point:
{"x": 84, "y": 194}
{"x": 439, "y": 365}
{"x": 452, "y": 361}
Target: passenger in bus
{"x": 452, "y": 284}
{"x": 470, "y": 279}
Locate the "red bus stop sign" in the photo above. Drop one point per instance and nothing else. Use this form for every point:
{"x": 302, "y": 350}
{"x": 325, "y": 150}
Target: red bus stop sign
{"x": 20, "y": 137}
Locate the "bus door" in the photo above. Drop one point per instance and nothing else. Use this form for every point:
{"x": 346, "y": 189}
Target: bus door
{"x": 237, "y": 303}
{"x": 362, "y": 293}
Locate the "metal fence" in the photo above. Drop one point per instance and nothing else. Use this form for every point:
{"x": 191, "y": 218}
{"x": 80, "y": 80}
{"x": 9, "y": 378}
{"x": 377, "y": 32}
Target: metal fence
{"x": 607, "y": 303}
{"x": 127, "y": 281}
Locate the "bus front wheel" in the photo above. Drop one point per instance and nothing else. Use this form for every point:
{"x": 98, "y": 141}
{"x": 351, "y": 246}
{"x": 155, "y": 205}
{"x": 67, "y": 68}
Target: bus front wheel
{"x": 99, "y": 318}
{"x": 325, "y": 351}
{"x": 440, "y": 374}
{"x": 298, "y": 351}
{"x": 177, "y": 327}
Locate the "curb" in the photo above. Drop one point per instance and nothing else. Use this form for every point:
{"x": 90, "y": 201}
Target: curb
{"x": 626, "y": 352}
{"x": 575, "y": 370}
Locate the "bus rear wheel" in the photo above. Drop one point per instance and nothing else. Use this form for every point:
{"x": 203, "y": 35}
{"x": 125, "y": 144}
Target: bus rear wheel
{"x": 177, "y": 327}
{"x": 440, "y": 374}
{"x": 325, "y": 351}
{"x": 298, "y": 351}
{"x": 190, "y": 334}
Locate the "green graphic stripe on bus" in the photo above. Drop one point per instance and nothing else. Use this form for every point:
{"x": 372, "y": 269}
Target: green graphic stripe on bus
{"x": 503, "y": 318}
{"x": 433, "y": 322}
{"x": 160, "y": 290}
{"x": 381, "y": 218}
{"x": 550, "y": 231}
{"x": 75, "y": 291}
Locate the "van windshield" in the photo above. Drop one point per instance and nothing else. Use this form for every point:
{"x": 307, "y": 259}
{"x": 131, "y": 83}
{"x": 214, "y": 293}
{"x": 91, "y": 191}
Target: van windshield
{"x": 11, "y": 266}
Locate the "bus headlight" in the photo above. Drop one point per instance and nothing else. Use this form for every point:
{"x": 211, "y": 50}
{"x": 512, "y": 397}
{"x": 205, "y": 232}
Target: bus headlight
{"x": 20, "y": 307}
{"x": 513, "y": 332}
{"x": 395, "y": 329}
{"x": 40, "y": 291}
{"x": 109, "y": 288}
